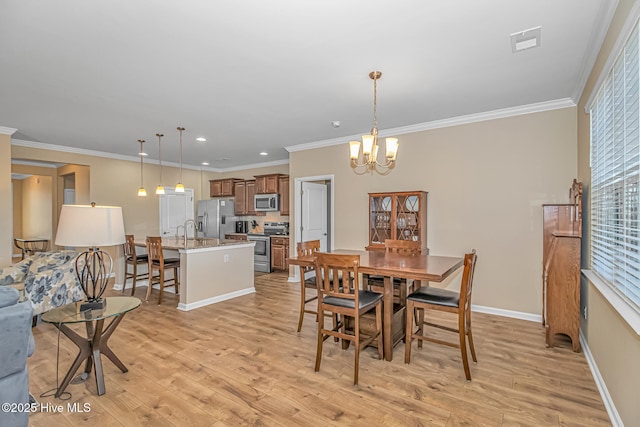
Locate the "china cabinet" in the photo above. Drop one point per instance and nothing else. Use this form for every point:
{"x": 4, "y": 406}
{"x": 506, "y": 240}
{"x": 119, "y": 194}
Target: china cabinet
{"x": 398, "y": 216}
{"x": 562, "y": 234}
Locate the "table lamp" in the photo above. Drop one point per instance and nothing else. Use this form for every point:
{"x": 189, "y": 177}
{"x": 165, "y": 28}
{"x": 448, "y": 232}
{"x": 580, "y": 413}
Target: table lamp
{"x": 92, "y": 227}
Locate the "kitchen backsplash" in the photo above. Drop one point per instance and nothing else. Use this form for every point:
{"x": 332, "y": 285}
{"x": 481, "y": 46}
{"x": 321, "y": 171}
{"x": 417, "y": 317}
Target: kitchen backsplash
{"x": 260, "y": 220}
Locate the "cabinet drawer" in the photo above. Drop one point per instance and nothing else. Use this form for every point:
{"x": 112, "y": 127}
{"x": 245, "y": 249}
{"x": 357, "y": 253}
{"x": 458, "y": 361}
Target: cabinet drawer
{"x": 279, "y": 241}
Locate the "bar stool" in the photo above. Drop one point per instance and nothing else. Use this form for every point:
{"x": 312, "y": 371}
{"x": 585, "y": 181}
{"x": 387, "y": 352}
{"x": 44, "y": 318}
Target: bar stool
{"x": 133, "y": 259}
{"x": 158, "y": 262}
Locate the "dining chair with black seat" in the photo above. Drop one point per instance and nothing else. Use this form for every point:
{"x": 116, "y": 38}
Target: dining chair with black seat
{"x": 131, "y": 258}
{"x": 345, "y": 299}
{"x": 307, "y": 279}
{"x": 400, "y": 286}
{"x": 443, "y": 300}
{"x": 157, "y": 262}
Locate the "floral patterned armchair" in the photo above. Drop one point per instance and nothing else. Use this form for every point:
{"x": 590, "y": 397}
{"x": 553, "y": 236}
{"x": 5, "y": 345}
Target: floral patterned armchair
{"x": 46, "y": 279}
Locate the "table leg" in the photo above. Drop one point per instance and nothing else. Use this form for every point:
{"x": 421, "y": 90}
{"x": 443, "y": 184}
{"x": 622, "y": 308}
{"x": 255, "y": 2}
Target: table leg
{"x": 97, "y": 361}
{"x": 104, "y": 343}
{"x": 84, "y": 353}
{"x": 387, "y": 308}
{"x": 90, "y": 349}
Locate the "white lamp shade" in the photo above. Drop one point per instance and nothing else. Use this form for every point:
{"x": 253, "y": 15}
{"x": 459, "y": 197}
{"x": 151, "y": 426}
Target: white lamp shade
{"x": 392, "y": 148}
{"x": 354, "y": 149}
{"x": 367, "y": 144}
{"x": 84, "y": 226}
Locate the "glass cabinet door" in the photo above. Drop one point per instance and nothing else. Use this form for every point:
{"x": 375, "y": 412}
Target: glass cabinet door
{"x": 381, "y": 218}
{"x": 407, "y": 214}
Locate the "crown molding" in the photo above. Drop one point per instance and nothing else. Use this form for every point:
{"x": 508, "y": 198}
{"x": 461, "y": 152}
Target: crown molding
{"x": 7, "y": 131}
{"x": 454, "y": 121}
{"x": 95, "y": 153}
{"x": 614, "y": 53}
{"x": 607, "y": 9}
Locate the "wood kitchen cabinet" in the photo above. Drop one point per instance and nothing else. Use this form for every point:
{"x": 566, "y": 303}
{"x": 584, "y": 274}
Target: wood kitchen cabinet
{"x": 244, "y": 192}
{"x": 222, "y": 187}
{"x": 284, "y": 194}
{"x": 268, "y": 184}
{"x": 279, "y": 253}
{"x": 398, "y": 216}
{"x": 561, "y": 243}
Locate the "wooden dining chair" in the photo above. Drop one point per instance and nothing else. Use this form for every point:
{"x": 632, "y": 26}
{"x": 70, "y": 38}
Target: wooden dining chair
{"x": 346, "y": 300}
{"x": 447, "y": 301}
{"x": 157, "y": 262}
{"x": 401, "y": 287}
{"x": 307, "y": 279}
{"x": 131, "y": 258}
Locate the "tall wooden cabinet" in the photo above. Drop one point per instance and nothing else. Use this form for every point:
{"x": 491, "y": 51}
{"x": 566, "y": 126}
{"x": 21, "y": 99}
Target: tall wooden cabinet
{"x": 562, "y": 235}
{"x": 397, "y": 215}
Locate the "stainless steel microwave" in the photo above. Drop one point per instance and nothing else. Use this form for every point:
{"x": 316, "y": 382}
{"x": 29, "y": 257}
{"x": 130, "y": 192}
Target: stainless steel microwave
{"x": 266, "y": 202}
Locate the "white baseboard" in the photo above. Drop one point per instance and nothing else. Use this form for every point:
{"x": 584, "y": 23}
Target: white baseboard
{"x": 507, "y": 313}
{"x": 213, "y": 300}
{"x": 614, "y": 416}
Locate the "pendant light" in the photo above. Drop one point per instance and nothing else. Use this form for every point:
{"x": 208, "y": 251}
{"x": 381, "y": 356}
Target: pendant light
{"x": 160, "y": 188}
{"x": 179, "y": 186}
{"x": 141, "y": 191}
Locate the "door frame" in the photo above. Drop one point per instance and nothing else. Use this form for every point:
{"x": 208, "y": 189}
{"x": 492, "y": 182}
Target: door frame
{"x": 297, "y": 214}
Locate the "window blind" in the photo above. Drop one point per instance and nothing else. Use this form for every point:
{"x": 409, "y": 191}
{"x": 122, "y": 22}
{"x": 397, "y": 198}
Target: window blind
{"x": 615, "y": 168}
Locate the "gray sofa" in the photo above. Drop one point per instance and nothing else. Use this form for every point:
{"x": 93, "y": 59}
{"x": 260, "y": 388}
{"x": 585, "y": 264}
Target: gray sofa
{"x": 17, "y": 345}
{"x": 46, "y": 279}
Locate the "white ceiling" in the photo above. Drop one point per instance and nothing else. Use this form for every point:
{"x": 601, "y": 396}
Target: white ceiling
{"x": 258, "y": 75}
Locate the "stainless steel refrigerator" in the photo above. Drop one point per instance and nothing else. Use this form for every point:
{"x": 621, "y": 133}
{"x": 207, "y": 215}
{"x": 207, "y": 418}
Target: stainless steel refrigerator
{"x": 216, "y": 217}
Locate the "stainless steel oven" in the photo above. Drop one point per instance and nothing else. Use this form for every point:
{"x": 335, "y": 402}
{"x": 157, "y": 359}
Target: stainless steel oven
{"x": 261, "y": 252}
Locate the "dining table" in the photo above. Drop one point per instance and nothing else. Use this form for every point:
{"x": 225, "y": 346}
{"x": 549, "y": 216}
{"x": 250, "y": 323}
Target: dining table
{"x": 421, "y": 268}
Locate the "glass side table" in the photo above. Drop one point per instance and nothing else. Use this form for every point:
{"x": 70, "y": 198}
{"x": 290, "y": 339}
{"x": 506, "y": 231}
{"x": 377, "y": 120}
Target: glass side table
{"x": 97, "y": 340}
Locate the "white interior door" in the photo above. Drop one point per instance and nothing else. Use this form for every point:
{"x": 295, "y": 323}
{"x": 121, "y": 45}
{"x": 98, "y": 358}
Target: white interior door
{"x": 175, "y": 209}
{"x": 314, "y": 213}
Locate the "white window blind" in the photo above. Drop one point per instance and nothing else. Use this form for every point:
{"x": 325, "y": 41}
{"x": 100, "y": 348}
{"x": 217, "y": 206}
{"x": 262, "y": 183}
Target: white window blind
{"x": 615, "y": 167}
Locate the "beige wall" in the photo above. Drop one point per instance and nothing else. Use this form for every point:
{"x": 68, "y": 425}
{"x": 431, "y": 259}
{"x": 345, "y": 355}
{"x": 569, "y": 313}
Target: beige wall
{"x": 37, "y": 207}
{"x": 17, "y": 212}
{"x": 614, "y": 345}
{"x": 486, "y": 183}
{"x": 115, "y": 182}
{"x": 6, "y": 209}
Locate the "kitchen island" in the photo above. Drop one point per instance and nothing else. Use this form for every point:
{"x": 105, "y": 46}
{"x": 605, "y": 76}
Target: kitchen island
{"x": 211, "y": 270}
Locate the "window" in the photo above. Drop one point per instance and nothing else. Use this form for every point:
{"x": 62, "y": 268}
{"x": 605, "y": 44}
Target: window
{"x": 615, "y": 168}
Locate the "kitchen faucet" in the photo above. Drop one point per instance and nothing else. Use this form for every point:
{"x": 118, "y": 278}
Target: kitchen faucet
{"x": 195, "y": 230}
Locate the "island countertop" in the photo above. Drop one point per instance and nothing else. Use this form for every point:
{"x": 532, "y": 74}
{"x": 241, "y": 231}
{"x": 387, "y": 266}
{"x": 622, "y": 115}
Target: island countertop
{"x": 177, "y": 243}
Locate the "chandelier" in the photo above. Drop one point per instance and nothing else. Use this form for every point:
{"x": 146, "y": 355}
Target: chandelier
{"x": 141, "y": 191}
{"x": 369, "y": 160}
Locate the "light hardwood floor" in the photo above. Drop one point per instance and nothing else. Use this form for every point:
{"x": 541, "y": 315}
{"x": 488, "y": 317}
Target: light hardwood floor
{"x": 241, "y": 362}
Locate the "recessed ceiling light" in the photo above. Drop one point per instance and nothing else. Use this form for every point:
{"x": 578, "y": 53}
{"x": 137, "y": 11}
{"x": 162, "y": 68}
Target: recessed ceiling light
{"x": 222, "y": 159}
{"x": 142, "y": 154}
{"x": 335, "y": 123}
{"x": 264, "y": 153}
{"x": 526, "y": 39}
{"x": 201, "y": 139}
{"x": 205, "y": 163}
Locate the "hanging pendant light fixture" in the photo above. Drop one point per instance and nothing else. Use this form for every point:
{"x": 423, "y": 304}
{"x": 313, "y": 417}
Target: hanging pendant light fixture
{"x": 370, "y": 143}
{"x": 179, "y": 186}
{"x": 160, "y": 188}
{"x": 141, "y": 191}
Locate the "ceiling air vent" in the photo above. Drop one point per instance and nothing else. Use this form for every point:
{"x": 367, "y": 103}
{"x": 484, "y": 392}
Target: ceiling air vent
{"x": 526, "y": 39}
